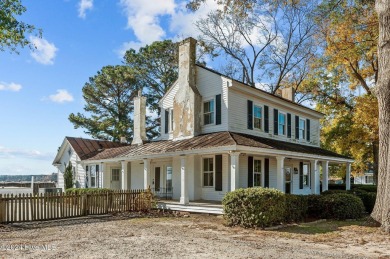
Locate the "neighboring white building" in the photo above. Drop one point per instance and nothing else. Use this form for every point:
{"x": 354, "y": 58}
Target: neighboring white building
{"x": 74, "y": 150}
{"x": 218, "y": 135}
{"x": 367, "y": 178}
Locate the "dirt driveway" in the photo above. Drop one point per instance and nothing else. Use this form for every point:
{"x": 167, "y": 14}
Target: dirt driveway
{"x": 196, "y": 236}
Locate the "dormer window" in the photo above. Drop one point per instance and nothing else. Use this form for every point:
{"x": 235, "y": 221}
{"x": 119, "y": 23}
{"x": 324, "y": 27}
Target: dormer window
{"x": 208, "y": 112}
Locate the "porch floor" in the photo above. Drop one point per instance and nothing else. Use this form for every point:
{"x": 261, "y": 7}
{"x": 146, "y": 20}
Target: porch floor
{"x": 200, "y": 206}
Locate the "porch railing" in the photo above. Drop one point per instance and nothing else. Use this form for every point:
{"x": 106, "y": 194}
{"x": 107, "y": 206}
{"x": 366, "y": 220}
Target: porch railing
{"x": 163, "y": 193}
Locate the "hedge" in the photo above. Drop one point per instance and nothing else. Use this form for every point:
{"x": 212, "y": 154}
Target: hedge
{"x": 341, "y": 206}
{"x": 296, "y": 208}
{"x": 254, "y": 207}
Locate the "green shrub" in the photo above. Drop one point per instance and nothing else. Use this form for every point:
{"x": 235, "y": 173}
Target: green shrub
{"x": 296, "y": 208}
{"x": 333, "y": 186}
{"x": 87, "y": 190}
{"x": 333, "y": 192}
{"x": 341, "y": 206}
{"x": 68, "y": 176}
{"x": 254, "y": 207}
{"x": 368, "y": 198}
{"x": 367, "y": 188}
{"x": 314, "y": 206}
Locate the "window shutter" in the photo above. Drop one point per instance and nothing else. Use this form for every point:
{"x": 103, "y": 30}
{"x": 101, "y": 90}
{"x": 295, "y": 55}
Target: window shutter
{"x": 250, "y": 171}
{"x": 297, "y": 127}
{"x": 166, "y": 121}
{"x": 266, "y": 119}
{"x": 218, "y": 172}
{"x": 250, "y": 114}
{"x": 266, "y": 172}
{"x": 276, "y": 113}
{"x": 307, "y": 129}
{"x": 301, "y": 175}
{"x": 218, "y": 109}
{"x": 97, "y": 179}
{"x": 288, "y": 125}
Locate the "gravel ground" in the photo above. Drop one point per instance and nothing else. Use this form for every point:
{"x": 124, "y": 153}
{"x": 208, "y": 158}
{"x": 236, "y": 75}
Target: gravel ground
{"x": 185, "y": 236}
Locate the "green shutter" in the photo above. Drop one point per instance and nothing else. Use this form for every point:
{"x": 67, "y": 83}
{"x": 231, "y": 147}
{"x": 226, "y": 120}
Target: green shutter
{"x": 250, "y": 171}
{"x": 218, "y": 100}
{"x": 266, "y": 172}
{"x": 297, "y": 127}
{"x": 250, "y": 114}
{"x": 307, "y": 129}
{"x": 301, "y": 175}
{"x": 276, "y": 120}
{"x": 166, "y": 121}
{"x": 266, "y": 119}
{"x": 218, "y": 172}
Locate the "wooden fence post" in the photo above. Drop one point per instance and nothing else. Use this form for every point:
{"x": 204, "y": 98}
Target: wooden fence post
{"x": 2, "y": 209}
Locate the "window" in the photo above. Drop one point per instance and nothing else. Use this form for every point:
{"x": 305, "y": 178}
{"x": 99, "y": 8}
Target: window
{"x": 93, "y": 176}
{"x": 115, "y": 175}
{"x": 302, "y": 128}
{"x": 257, "y": 173}
{"x": 208, "y": 112}
{"x": 257, "y": 117}
{"x": 208, "y": 172}
{"x": 369, "y": 179}
{"x": 282, "y": 124}
{"x": 306, "y": 175}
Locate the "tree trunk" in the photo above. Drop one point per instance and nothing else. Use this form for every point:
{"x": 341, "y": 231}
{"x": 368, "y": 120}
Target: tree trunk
{"x": 381, "y": 211}
{"x": 375, "y": 154}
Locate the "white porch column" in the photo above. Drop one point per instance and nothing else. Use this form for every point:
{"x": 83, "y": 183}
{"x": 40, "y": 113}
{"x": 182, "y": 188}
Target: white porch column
{"x": 348, "y": 177}
{"x": 101, "y": 175}
{"x": 183, "y": 186}
{"x": 325, "y": 175}
{"x": 123, "y": 175}
{"x": 280, "y": 183}
{"x": 234, "y": 171}
{"x": 315, "y": 179}
{"x": 146, "y": 173}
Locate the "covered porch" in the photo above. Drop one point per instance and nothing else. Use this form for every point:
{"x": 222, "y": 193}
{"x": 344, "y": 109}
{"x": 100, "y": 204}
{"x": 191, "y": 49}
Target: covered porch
{"x": 208, "y": 166}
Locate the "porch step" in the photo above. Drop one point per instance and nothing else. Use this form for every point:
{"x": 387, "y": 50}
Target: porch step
{"x": 191, "y": 208}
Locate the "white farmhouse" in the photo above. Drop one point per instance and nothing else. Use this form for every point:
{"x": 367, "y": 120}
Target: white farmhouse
{"x": 217, "y": 135}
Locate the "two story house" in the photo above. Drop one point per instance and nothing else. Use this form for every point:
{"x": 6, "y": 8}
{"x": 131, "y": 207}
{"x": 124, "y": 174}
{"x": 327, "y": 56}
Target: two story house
{"x": 218, "y": 135}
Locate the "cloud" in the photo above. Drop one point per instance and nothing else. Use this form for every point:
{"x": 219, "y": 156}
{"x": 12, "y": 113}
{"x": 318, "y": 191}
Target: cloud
{"x": 13, "y": 87}
{"x": 84, "y": 5}
{"x": 128, "y": 45}
{"x": 61, "y": 96}
{"x": 23, "y": 153}
{"x": 44, "y": 51}
{"x": 143, "y": 17}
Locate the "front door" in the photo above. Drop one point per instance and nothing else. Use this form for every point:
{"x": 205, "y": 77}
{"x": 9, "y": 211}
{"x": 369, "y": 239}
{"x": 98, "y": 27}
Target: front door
{"x": 288, "y": 179}
{"x": 115, "y": 179}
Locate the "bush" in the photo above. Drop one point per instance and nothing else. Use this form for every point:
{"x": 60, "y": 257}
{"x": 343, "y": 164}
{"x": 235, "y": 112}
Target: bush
{"x": 368, "y": 198}
{"x": 333, "y": 186}
{"x": 296, "y": 208}
{"x": 254, "y": 207}
{"x": 333, "y": 192}
{"x": 314, "y": 206}
{"x": 87, "y": 190}
{"x": 367, "y": 188}
{"x": 341, "y": 206}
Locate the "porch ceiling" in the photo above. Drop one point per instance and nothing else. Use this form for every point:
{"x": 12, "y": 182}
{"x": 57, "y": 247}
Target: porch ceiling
{"x": 208, "y": 141}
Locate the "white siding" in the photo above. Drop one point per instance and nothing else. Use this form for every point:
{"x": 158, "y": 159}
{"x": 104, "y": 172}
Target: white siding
{"x": 74, "y": 159}
{"x": 209, "y": 85}
{"x": 243, "y": 173}
{"x": 137, "y": 175}
{"x": 209, "y": 193}
{"x": 167, "y": 103}
{"x": 238, "y": 118}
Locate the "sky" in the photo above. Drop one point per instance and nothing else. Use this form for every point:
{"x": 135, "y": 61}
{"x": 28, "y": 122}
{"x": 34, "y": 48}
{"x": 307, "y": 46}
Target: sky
{"x": 39, "y": 88}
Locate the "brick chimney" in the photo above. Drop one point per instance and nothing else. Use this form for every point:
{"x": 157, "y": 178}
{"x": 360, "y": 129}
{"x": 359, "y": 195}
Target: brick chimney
{"x": 139, "y": 120}
{"x": 288, "y": 93}
{"x": 187, "y": 102}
